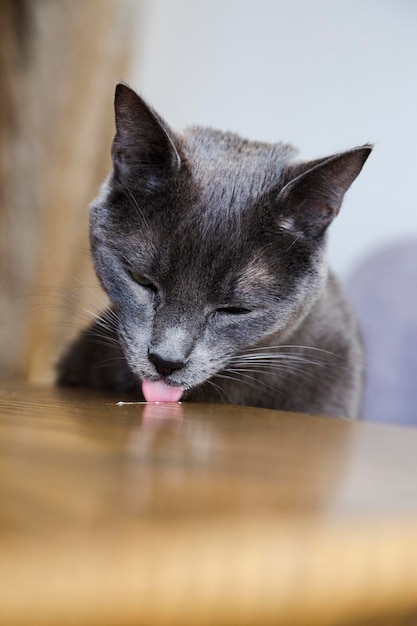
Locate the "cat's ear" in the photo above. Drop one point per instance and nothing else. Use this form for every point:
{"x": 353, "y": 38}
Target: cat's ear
{"x": 143, "y": 152}
{"x": 312, "y": 199}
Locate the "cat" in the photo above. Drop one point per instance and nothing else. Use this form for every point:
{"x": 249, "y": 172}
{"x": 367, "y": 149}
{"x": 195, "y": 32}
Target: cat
{"x": 212, "y": 250}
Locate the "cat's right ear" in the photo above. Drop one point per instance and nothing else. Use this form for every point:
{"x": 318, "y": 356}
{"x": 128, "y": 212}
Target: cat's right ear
{"x": 143, "y": 151}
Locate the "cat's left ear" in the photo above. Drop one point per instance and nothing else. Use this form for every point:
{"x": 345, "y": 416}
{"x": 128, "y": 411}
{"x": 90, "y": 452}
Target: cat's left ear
{"x": 144, "y": 153}
{"x": 312, "y": 199}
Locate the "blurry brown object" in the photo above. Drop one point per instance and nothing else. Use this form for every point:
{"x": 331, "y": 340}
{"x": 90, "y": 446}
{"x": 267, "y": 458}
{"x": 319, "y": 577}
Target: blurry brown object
{"x": 59, "y": 62}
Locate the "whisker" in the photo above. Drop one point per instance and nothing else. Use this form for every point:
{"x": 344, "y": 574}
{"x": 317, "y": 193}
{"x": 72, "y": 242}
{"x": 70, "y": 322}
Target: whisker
{"x": 109, "y": 361}
{"x": 286, "y": 369}
{"x": 91, "y": 290}
{"x": 99, "y": 342}
{"x": 222, "y": 393}
{"x": 109, "y": 316}
{"x": 100, "y": 330}
{"x": 136, "y": 204}
{"x": 290, "y": 359}
{"x": 256, "y": 380}
{"x": 103, "y": 323}
{"x": 317, "y": 364}
{"x": 106, "y": 340}
{"x": 292, "y": 346}
{"x": 263, "y": 358}
{"x": 292, "y": 243}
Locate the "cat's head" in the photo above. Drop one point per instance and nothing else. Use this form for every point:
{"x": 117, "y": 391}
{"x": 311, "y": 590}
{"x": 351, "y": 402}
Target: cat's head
{"x": 208, "y": 244}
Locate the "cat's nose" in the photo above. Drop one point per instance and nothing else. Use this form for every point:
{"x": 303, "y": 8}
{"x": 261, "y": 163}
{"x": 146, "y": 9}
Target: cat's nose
{"x": 165, "y": 367}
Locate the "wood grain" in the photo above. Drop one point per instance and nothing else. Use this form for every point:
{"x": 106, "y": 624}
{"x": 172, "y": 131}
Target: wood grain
{"x": 201, "y": 514}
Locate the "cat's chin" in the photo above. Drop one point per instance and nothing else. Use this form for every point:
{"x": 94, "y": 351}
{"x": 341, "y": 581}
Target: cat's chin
{"x": 160, "y": 392}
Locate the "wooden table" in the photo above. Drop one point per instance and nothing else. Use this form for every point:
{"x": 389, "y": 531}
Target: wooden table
{"x": 201, "y": 515}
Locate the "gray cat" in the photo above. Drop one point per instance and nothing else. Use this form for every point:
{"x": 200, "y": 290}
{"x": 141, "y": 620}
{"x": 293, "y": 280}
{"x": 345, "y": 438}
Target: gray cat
{"x": 212, "y": 249}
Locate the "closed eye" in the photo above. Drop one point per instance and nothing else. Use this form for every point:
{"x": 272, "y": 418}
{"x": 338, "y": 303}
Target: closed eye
{"x": 142, "y": 280}
{"x": 233, "y": 310}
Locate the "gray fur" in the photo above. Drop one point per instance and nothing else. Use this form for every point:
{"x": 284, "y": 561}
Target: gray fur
{"x": 215, "y": 221}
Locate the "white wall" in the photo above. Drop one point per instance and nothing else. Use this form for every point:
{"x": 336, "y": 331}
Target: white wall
{"x": 324, "y": 75}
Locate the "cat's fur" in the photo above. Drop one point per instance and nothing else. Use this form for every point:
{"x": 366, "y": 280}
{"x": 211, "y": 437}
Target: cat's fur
{"x": 232, "y": 235}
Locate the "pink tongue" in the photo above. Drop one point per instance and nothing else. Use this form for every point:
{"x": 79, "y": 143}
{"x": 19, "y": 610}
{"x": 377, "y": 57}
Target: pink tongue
{"x": 160, "y": 392}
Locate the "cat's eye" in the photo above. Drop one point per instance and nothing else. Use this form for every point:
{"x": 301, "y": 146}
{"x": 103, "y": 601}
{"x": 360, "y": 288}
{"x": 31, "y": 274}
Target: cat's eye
{"x": 142, "y": 280}
{"x": 233, "y": 310}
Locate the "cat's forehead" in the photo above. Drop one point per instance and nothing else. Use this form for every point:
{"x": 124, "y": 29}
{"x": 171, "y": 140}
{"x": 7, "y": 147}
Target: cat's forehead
{"x": 229, "y": 169}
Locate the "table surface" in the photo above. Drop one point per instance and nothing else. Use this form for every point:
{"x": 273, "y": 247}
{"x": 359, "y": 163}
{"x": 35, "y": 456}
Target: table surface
{"x": 201, "y": 514}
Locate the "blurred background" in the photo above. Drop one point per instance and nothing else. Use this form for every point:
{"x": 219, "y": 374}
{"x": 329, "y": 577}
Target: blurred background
{"x": 320, "y": 74}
